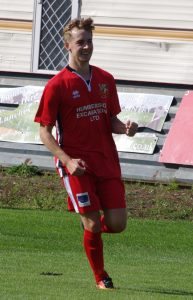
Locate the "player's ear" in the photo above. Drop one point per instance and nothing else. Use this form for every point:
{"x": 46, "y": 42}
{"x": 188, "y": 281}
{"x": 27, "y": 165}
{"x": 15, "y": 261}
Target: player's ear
{"x": 67, "y": 46}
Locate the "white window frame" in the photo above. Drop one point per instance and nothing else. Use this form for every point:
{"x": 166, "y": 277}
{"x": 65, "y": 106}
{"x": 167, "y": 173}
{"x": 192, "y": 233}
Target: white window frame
{"x": 37, "y": 31}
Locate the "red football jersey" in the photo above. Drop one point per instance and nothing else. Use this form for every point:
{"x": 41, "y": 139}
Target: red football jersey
{"x": 82, "y": 114}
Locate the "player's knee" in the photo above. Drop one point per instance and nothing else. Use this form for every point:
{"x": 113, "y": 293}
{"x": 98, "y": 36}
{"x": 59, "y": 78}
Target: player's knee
{"x": 93, "y": 226}
{"x": 118, "y": 226}
{"x": 91, "y": 221}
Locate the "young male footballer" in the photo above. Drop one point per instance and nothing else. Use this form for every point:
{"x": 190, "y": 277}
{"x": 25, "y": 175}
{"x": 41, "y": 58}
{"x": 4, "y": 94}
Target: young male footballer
{"x": 82, "y": 102}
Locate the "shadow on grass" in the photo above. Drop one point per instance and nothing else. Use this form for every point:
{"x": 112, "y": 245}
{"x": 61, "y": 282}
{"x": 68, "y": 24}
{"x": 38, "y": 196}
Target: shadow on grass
{"x": 162, "y": 291}
{"x": 51, "y": 274}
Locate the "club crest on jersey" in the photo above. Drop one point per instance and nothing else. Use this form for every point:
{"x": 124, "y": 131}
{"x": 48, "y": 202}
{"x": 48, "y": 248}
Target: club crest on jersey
{"x": 83, "y": 199}
{"x": 75, "y": 94}
{"x": 103, "y": 90}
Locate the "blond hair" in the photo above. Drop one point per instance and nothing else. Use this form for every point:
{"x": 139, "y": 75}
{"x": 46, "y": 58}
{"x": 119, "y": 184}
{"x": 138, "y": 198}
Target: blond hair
{"x": 86, "y": 24}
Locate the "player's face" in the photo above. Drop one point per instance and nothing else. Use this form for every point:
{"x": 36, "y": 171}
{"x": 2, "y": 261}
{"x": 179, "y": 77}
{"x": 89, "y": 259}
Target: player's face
{"x": 80, "y": 45}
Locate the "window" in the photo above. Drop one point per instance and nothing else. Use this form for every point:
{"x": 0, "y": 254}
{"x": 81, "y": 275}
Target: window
{"x": 50, "y": 17}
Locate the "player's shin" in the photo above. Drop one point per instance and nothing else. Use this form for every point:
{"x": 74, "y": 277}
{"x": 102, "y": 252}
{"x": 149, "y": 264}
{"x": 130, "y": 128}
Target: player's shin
{"x": 93, "y": 246}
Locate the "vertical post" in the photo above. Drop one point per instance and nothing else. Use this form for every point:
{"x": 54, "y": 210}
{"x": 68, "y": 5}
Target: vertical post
{"x": 36, "y": 35}
{"x": 76, "y": 5}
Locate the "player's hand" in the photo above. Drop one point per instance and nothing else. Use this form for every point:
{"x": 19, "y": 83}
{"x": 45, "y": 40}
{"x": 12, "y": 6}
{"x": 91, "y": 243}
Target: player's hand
{"x": 76, "y": 167}
{"x": 131, "y": 128}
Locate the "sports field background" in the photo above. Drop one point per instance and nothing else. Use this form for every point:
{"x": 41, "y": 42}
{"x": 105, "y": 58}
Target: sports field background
{"x": 41, "y": 253}
{"x": 41, "y": 257}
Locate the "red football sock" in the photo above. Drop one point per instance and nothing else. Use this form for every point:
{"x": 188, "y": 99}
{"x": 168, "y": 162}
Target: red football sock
{"x": 93, "y": 246}
{"x": 104, "y": 228}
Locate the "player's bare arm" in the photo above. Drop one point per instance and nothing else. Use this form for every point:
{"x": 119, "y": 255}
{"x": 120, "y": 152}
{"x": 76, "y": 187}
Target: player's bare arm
{"x": 76, "y": 167}
{"x": 129, "y": 128}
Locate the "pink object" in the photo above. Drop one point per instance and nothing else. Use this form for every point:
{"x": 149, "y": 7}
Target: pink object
{"x": 178, "y": 146}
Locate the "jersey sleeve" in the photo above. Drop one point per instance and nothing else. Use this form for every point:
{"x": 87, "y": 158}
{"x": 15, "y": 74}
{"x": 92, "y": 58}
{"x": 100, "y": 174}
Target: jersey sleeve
{"x": 49, "y": 105}
{"x": 115, "y": 108}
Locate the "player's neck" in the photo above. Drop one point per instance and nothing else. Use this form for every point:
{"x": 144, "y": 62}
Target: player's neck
{"x": 83, "y": 69}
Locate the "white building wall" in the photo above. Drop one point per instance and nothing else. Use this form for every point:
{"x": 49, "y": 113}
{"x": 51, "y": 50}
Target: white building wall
{"x": 16, "y": 9}
{"x": 131, "y": 54}
{"x": 15, "y": 51}
{"x": 142, "y": 60}
{"x": 16, "y": 35}
{"x": 153, "y": 13}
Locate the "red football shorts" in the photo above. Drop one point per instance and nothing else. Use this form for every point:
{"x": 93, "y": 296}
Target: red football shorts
{"x": 90, "y": 193}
